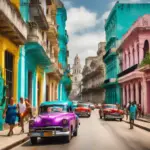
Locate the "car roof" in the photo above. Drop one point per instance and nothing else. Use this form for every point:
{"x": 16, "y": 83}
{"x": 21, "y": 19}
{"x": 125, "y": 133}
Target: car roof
{"x": 56, "y": 103}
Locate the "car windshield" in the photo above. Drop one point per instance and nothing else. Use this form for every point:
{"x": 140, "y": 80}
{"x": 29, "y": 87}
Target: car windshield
{"x": 53, "y": 108}
{"x": 83, "y": 105}
{"x": 109, "y": 106}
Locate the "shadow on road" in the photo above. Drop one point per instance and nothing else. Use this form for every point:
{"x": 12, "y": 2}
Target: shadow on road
{"x": 47, "y": 141}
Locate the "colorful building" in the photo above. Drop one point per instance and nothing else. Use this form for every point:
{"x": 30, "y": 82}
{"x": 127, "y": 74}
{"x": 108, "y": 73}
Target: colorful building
{"x": 13, "y": 33}
{"x": 65, "y": 82}
{"x": 134, "y": 77}
{"x": 118, "y": 23}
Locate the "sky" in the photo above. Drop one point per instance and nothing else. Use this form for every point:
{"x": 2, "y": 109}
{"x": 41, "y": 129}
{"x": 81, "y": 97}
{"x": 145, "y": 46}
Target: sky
{"x": 85, "y": 25}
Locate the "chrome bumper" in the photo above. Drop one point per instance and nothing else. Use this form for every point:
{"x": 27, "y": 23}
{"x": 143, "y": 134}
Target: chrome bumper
{"x": 113, "y": 117}
{"x": 83, "y": 113}
{"x": 53, "y": 134}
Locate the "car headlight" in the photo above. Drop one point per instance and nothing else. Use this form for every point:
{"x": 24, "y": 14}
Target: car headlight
{"x": 65, "y": 122}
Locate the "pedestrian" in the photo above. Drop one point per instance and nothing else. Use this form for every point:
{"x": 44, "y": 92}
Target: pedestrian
{"x": 132, "y": 113}
{"x": 10, "y": 113}
{"x": 28, "y": 111}
{"x": 22, "y": 109}
{"x": 139, "y": 108}
{"x": 127, "y": 109}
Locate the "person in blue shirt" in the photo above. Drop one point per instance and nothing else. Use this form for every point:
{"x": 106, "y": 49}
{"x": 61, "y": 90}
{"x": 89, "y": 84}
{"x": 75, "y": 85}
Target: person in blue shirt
{"x": 132, "y": 113}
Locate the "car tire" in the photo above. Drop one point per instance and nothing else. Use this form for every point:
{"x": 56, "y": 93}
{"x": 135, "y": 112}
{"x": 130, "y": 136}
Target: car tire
{"x": 76, "y": 132}
{"x": 89, "y": 116}
{"x": 105, "y": 118}
{"x": 33, "y": 140}
{"x": 121, "y": 119}
{"x": 68, "y": 138}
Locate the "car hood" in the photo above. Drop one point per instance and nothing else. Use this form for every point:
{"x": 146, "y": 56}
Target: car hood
{"x": 113, "y": 110}
{"x": 51, "y": 119}
{"x": 82, "y": 108}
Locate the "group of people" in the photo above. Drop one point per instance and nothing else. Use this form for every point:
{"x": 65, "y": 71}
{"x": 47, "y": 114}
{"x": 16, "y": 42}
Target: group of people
{"x": 133, "y": 111}
{"x": 16, "y": 113}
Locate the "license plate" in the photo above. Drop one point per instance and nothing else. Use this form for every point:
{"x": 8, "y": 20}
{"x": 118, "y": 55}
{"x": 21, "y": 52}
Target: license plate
{"x": 47, "y": 134}
{"x": 35, "y": 134}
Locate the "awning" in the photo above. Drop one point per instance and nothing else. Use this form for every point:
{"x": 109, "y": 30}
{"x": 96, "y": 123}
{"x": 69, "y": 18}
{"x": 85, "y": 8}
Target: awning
{"x": 38, "y": 54}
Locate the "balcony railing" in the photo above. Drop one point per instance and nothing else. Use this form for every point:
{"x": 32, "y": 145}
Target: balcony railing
{"x": 38, "y": 15}
{"x": 12, "y": 25}
{"x": 35, "y": 35}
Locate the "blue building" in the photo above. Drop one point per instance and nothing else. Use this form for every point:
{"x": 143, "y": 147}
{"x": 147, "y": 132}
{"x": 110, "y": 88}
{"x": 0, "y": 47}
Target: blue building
{"x": 65, "y": 81}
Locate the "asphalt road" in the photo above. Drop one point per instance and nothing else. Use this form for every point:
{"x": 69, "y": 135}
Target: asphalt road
{"x": 96, "y": 134}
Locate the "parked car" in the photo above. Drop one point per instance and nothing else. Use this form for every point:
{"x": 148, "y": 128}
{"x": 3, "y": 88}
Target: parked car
{"x": 97, "y": 106}
{"x": 83, "y": 109}
{"x": 111, "y": 111}
{"x": 55, "y": 119}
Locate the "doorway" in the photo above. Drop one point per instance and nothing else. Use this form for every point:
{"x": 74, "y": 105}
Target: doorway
{"x": 30, "y": 86}
{"x": 9, "y": 59}
{"x": 47, "y": 93}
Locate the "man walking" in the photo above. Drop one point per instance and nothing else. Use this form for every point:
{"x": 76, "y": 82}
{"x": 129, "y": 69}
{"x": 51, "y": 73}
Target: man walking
{"x": 132, "y": 113}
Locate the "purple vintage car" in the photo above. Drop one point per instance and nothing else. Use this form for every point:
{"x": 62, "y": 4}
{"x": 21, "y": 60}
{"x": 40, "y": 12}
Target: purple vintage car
{"x": 55, "y": 119}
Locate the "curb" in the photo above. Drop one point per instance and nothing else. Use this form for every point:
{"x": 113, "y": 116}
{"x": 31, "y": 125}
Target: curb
{"x": 15, "y": 144}
{"x": 139, "y": 126}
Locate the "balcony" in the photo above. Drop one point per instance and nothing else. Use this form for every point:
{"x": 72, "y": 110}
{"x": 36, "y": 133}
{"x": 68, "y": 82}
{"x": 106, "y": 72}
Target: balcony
{"x": 12, "y": 25}
{"x": 38, "y": 15}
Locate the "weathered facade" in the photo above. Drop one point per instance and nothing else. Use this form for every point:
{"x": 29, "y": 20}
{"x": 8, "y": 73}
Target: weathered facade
{"x": 134, "y": 78}
{"x": 117, "y": 24}
{"x": 93, "y": 77}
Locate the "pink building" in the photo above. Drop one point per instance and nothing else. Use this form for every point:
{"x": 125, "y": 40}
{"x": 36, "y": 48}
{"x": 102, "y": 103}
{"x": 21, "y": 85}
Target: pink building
{"x": 135, "y": 81}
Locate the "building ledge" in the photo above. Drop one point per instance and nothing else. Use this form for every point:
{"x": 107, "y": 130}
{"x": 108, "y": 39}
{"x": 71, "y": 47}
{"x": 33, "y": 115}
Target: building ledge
{"x": 144, "y": 68}
{"x": 127, "y": 71}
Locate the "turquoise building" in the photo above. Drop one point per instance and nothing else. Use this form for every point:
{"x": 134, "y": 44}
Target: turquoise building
{"x": 120, "y": 19}
{"x": 65, "y": 81}
{"x": 33, "y": 57}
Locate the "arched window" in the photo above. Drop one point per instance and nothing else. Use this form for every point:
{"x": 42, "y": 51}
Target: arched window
{"x": 133, "y": 52}
{"x": 138, "y": 55}
{"x": 146, "y": 47}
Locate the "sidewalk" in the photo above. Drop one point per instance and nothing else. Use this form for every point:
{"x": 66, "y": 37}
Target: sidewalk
{"x": 141, "y": 123}
{"x": 7, "y": 142}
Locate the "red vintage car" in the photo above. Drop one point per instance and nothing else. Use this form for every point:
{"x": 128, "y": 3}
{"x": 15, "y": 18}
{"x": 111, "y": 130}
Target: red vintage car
{"x": 83, "y": 109}
{"x": 111, "y": 111}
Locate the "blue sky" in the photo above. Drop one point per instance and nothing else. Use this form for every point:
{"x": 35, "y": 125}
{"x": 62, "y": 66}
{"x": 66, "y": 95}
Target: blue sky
{"x": 85, "y": 25}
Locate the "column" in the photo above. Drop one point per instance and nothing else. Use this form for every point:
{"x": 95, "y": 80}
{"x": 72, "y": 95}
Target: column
{"x": 131, "y": 92}
{"x": 123, "y": 94}
{"x": 131, "y": 56}
{"x": 144, "y": 95}
{"x": 135, "y": 53}
{"x": 127, "y": 59}
{"x": 124, "y": 61}
{"x": 127, "y": 93}
{"x": 50, "y": 91}
{"x": 137, "y": 92}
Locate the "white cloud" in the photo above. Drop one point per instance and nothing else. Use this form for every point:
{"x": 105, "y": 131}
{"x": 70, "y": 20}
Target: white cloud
{"x": 68, "y": 4}
{"x": 80, "y": 19}
{"x": 83, "y": 34}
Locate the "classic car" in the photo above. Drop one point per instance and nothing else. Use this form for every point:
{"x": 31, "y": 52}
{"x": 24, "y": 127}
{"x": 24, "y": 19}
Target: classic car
{"x": 55, "y": 119}
{"x": 83, "y": 109}
{"x": 111, "y": 111}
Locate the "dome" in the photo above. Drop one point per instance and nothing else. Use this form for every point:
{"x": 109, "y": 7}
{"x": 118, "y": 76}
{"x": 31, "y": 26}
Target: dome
{"x": 59, "y": 3}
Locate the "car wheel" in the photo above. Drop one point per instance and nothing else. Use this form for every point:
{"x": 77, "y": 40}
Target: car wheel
{"x": 89, "y": 116}
{"x": 33, "y": 140}
{"x": 105, "y": 118}
{"x": 76, "y": 132}
{"x": 68, "y": 138}
{"x": 120, "y": 119}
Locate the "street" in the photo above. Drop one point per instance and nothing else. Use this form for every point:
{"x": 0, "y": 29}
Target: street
{"x": 96, "y": 134}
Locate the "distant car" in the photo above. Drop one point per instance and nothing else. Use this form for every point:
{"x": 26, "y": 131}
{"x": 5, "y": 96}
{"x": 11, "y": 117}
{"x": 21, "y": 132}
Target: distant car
{"x": 83, "y": 109}
{"x": 98, "y": 106}
{"x": 92, "y": 106}
{"x": 56, "y": 119}
{"x": 111, "y": 111}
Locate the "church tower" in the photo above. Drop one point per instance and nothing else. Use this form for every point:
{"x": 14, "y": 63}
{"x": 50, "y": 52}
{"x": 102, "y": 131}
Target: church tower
{"x": 76, "y": 76}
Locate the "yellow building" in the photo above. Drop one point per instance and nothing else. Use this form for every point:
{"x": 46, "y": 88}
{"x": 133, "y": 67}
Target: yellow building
{"x": 13, "y": 33}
